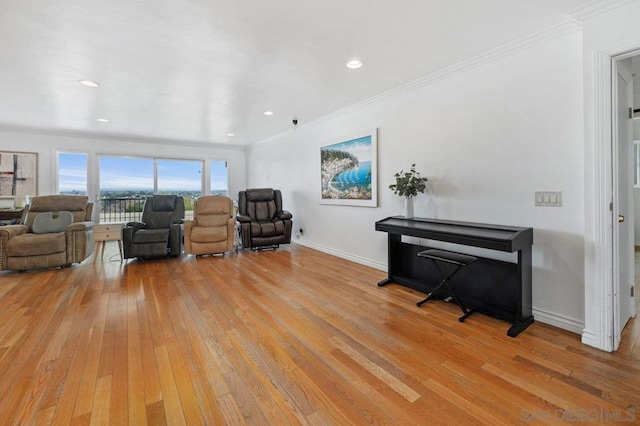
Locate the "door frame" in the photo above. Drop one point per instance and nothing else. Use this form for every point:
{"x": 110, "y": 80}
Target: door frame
{"x": 600, "y": 304}
{"x": 620, "y": 290}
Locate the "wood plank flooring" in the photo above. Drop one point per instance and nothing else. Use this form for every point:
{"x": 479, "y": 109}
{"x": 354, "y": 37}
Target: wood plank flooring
{"x": 288, "y": 337}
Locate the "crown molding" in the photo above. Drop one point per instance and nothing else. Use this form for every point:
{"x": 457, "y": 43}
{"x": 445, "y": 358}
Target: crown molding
{"x": 550, "y": 33}
{"x": 595, "y": 8}
{"x": 116, "y": 137}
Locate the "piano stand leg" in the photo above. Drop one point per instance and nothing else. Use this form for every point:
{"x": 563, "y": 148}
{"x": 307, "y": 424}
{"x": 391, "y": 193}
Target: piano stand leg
{"x": 384, "y": 282}
{"x": 466, "y": 315}
{"x": 519, "y": 326}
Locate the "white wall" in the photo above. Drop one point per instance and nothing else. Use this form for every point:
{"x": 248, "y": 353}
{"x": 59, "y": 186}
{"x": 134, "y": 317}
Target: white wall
{"x": 48, "y": 144}
{"x": 487, "y": 139}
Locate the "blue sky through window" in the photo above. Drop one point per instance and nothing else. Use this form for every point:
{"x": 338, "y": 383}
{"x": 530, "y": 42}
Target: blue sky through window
{"x": 136, "y": 174}
{"x": 72, "y": 173}
{"x": 218, "y": 176}
{"x": 179, "y": 175}
{"x": 126, "y": 174}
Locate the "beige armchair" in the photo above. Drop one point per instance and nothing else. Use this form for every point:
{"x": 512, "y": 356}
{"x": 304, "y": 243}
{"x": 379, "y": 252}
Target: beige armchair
{"x": 60, "y": 239}
{"x": 212, "y": 229}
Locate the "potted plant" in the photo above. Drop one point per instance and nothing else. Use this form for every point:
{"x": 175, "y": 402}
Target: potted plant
{"x": 408, "y": 185}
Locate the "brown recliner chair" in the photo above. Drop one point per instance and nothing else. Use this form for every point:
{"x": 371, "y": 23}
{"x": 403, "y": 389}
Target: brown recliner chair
{"x": 212, "y": 229}
{"x": 263, "y": 223}
{"x": 56, "y": 239}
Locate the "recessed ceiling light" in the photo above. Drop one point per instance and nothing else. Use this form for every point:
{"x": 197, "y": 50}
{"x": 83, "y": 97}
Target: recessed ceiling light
{"x": 230, "y": 134}
{"x": 102, "y": 120}
{"x": 268, "y": 113}
{"x": 89, "y": 83}
{"x": 354, "y": 63}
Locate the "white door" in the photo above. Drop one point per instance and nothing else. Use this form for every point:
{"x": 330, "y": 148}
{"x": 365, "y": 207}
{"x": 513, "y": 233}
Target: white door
{"x": 624, "y": 281}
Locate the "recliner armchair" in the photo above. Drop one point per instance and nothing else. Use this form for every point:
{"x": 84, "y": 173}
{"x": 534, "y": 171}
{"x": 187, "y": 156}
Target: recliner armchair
{"x": 57, "y": 232}
{"x": 263, "y": 222}
{"x": 160, "y": 232}
{"x": 212, "y": 229}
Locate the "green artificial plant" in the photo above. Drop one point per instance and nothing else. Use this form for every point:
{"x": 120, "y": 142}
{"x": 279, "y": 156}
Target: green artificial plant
{"x": 409, "y": 184}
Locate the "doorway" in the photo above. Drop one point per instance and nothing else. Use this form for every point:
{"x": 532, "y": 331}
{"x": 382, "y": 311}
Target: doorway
{"x": 605, "y": 42}
{"x": 623, "y": 207}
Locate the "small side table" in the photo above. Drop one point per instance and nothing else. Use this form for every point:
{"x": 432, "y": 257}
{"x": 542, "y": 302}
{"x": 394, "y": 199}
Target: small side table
{"x": 107, "y": 232}
{"x": 10, "y": 215}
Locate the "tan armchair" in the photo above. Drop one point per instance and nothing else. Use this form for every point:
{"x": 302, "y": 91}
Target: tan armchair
{"x": 21, "y": 248}
{"x": 212, "y": 229}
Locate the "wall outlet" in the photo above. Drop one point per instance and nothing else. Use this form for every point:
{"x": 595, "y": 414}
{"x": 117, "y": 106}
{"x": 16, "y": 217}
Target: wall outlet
{"x": 548, "y": 199}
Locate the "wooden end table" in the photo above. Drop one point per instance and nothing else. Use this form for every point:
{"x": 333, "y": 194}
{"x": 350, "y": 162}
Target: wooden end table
{"x": 107, "y": 232}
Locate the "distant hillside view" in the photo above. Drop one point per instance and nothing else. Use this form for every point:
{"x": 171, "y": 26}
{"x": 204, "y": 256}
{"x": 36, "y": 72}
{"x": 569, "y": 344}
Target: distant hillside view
{"x": 126, "y": 205}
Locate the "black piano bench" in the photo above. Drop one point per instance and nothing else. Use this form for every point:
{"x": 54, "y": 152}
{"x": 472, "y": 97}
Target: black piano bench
{"x": 458, "y": 259}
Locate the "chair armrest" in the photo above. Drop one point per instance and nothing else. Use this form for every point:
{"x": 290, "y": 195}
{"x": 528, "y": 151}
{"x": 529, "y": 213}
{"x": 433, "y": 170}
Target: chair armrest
{"x": 80, "y": 226}
{"x": 243, "y": 219}
{"x": 135, "y": 224}
{"x": 10, "y": 231}
{"x": 283, "y": 215}
{"x": 6, "y": 233}
{"x": 188, "y": 225}
{"x": 80, "y": 244}
{"x": 175, "y": 239}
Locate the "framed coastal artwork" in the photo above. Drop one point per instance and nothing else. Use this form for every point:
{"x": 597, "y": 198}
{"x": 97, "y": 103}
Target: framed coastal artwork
{"x": 348, "y": 170}
{"x": 18, "y": 173}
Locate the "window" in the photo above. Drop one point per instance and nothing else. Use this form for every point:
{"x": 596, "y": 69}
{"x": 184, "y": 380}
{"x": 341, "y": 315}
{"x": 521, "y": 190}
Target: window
{"x": 125, "y": 176}
{"x": 219, "y": 180}
{"x": 72, "y": 174}
{"x": 125, "y": 183}
{"x": 180, "y": 177}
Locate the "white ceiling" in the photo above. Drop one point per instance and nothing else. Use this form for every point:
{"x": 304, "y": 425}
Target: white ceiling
{"x": 195, "y": 70}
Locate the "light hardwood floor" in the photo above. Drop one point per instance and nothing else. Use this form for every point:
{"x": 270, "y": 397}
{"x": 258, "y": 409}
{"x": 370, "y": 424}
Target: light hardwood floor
{"x": 293, "y": 336}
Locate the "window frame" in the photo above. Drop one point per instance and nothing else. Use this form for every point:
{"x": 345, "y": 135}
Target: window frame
{"x": 636, "y": 164}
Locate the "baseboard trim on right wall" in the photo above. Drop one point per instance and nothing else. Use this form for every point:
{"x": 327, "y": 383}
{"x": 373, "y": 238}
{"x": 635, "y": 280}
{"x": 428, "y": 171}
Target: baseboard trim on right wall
{"x": 559, "y": 321}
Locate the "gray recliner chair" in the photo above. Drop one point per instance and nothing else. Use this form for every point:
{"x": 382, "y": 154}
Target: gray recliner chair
{"x": 160, "y": 232}
{"x": 263, "y": 222}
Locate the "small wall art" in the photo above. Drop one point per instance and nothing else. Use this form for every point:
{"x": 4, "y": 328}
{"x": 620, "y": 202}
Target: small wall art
{"x": 18, "y": 174}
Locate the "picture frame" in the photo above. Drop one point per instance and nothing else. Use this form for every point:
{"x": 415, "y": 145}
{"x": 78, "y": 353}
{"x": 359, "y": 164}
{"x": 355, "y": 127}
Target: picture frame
{"x": 349, "y": 170}
{"x": 18, "y": 174}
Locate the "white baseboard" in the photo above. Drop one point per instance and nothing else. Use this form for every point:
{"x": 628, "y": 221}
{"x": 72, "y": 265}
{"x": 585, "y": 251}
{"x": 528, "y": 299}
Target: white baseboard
{"x": 341, "y": 254}
{"x": 589, "y": 338}
{"x": 546, "y": 317}
{"x": 559, "y": 321}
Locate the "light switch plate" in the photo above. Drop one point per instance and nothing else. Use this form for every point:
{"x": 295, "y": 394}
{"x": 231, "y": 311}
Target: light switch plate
{"x": 548, "y": 199}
